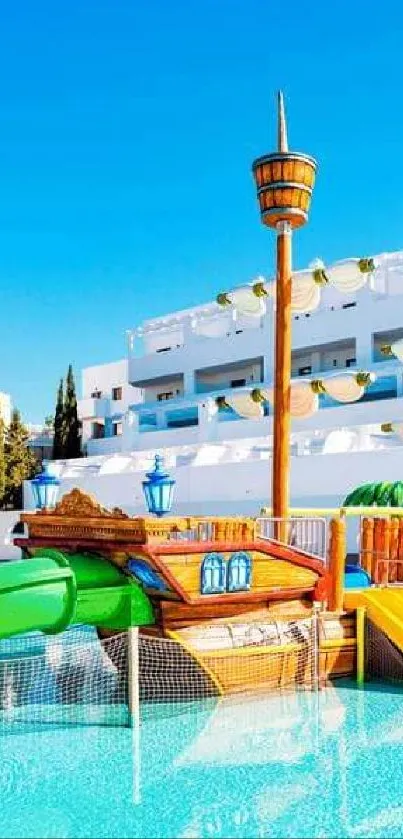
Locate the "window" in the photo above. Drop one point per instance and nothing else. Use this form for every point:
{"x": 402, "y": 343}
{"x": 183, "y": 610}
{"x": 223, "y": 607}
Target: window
{"x": 305, "y": 371}
{"x": 117, "y": 429}
{"x": 350, "y": 362}
{"x": 163, "y": 397}
{"x": 213, "y": 574}
{"x": 335, "y": 362}
{"x": 98, "y": 430}
{"x": 96, "y": 394}
{"x": 239, "y": 572}
{"x": 348, "y": 305}
{"x": 116, "y": 394}
{"x": 182, "y": 418}
{"x": 238, "y": 382}
{"x": 145, "y": 574}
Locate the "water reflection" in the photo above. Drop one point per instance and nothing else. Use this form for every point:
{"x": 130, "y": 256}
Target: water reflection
{"x": 317, "y": 765}
{"x": 298, "y": 765}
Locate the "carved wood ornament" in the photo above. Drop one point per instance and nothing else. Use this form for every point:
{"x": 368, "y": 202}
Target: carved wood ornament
{"x": 78, "y": 504}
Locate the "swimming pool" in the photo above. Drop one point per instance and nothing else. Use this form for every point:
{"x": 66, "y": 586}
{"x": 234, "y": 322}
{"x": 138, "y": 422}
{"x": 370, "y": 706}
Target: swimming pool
{"x": 319, "y": 765}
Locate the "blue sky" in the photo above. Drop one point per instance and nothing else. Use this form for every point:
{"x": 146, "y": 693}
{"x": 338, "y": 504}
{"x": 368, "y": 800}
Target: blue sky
{"x": 127, "y": 132}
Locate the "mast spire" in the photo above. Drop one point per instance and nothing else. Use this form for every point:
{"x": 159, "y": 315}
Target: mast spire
{"x": 282, "y": 125}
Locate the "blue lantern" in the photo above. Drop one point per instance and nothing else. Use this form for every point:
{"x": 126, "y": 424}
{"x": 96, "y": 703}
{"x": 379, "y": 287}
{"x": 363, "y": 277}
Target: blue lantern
{"x": 45, "y": 488}
{"x": 159, "y": 489}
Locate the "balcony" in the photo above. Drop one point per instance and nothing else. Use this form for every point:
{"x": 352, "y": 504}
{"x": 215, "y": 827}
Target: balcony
{"x": 94, "y": 408}
{"x": 198, "y": 352}
{"x": 104, "y": 446}
{"x": 116, "y": 408}
{"x": 239, "y": 374}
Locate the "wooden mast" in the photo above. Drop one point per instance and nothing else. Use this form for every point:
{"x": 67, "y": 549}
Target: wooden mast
{"x": 282, "y": 363}
{"x": 284, "y": 184}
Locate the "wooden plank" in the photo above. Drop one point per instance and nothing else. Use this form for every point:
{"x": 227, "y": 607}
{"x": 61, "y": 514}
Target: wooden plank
{"x": 337, "y": 626}
{"x": 338, "y": 643}
{"x": 206, "y": 609}
{"x": 269, "y": 549}
{"x": 176, "y": 615}
{"x": 337, "y": 662}
{"x": 271, "y": 573}
{"x": 262, "y": 650}
{"x": 256, "y": 596}
{"x": 249, "y": 672}
{"x": 267, "y": 573}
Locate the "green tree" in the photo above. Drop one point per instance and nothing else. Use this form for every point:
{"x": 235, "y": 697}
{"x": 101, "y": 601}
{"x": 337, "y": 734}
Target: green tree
{"x": 59, "y": 425}
{"x": 72, "y": 424}
{"x": 2, "y": 462}
{"x": 20, "y": 461}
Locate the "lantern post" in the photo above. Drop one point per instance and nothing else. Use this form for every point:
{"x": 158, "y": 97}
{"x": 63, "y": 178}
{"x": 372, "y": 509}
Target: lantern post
{"x": 158, "y": 489}
{"x": 284, "y": 182}
{"x": 45, "y": 488}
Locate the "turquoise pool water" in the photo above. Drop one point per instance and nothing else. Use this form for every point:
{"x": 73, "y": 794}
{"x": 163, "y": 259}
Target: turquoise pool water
{"x": 306, "y": 765}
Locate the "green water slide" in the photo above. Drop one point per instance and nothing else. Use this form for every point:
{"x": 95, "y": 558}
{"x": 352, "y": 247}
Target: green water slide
{"x": 53, "y": 590}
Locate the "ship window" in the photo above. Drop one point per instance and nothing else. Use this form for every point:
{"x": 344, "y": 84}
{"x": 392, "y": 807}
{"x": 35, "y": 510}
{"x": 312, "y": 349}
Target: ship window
{"x": 239, "y": 572}
{"x": 213, "y": 574}
{"x": 145, "y": 574}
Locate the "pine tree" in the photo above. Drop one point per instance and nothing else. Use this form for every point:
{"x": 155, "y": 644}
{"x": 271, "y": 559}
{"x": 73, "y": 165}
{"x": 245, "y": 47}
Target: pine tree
{"x": 71, "y": 421}
{"x": 20, "y": 461}
{"x": 2, "y": 462}
{"x": 59, "y": 426}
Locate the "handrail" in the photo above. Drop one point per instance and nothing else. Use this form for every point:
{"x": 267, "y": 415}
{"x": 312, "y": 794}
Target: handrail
{"x": 338, "y": 511}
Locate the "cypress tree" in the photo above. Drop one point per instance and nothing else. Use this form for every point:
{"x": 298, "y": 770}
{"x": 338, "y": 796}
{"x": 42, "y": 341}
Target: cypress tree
{"x": 59, "y": 425}
{"x": 20, "y": 461}
{"x": 2, "y": 462}
{"x": 71, "y": 421}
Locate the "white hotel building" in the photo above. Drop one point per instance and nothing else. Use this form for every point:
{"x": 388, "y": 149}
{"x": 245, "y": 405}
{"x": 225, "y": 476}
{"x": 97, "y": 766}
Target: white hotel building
{"x": 161, "y": 398}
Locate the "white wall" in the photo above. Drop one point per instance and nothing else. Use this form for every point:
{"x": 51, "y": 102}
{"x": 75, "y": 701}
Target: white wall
{"x": 374, "y": 308}
{"x": 222, "y": 376}
{"x": 7, "y": 522}
{"x": 174, "y": 385}
{"x": 163, "y": 338}
{"x": 243, "y": 487}
{"x": 104, "y": 377}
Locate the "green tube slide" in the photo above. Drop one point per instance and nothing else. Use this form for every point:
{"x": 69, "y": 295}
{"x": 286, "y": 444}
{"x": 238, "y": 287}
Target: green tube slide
{"x": 53, "y": 590}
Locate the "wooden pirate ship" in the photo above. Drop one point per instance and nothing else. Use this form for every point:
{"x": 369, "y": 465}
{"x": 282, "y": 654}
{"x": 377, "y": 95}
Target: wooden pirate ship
{"x": 238, "y": 605}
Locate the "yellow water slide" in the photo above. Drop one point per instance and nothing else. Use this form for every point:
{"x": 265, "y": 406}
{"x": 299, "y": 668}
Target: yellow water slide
{"x": 384, "y": 607}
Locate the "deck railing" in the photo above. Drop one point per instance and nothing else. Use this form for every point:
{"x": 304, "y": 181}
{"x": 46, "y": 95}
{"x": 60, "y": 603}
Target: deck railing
{"x": 305, "y": 534}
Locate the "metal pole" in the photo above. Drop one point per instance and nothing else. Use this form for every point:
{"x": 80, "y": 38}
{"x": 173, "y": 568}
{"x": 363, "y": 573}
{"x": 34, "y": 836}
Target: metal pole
{"x": 360, "y": 636}
{"x": 282, "y": 366}
{"x": 134, "y": 706}
{"x": 315, "y": 647}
